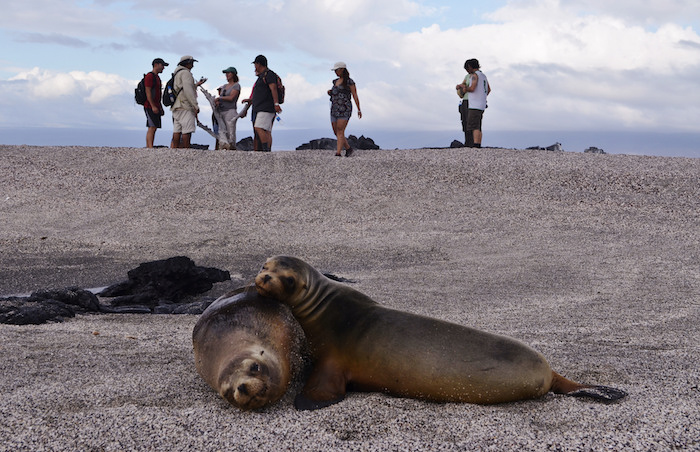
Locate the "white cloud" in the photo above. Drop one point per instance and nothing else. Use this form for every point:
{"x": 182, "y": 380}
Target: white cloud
{"x": 552, "y": 64}
{"x": 91, "y": 87}
{"x": 40, "y": 97}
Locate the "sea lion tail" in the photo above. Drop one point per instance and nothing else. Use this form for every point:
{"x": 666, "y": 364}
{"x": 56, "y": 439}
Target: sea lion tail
{"x": 606, "y": 394}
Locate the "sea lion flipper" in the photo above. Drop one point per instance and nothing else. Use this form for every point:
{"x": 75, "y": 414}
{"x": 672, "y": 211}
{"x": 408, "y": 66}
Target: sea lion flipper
{"x": 604, "y": 394}
{"x": 303, "y": 403}
{"x": 325, "y": 386}
{"x": 562, "y": 385}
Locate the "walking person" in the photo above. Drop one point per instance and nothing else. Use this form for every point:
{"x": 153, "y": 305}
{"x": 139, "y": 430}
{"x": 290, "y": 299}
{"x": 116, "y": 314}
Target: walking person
{"x": 478, "y": 89}
{"x": 227, "y": 103}
{"x": 342, "y": 93}
{"x": 265, "y": 104}
{"x": 153, "y": 106}
{"x": 185, "y": 108}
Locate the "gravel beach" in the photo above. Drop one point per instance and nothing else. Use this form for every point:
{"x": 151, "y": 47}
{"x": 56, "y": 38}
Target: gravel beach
{"x": 594, "y": 260}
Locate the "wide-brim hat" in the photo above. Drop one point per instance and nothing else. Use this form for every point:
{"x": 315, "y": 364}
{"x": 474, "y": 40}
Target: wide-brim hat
{"x": 230, "y": 69}
{"x": 339, "y": 65}
{"x": 187, "y": 58}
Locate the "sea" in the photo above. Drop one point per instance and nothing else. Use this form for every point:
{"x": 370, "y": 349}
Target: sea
{"x": 284, "y": 139}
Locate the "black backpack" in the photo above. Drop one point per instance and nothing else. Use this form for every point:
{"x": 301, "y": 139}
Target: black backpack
{"x": 169, "y": 93}
{"x": 140, "y": 91}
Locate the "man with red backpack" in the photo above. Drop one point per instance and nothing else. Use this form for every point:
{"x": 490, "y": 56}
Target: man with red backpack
{"x": 152, "y": 106}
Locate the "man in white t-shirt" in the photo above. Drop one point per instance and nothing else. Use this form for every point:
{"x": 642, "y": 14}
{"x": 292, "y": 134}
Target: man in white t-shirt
{"x": 478, "y": 89}
{"x": 464, "y": 107}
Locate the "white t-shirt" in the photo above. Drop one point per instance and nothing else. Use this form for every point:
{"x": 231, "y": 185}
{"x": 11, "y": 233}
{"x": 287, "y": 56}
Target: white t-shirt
{"x": 477, "y": 98}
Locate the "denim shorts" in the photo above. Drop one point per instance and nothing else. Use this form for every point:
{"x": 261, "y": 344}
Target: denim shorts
{"x": 345, "y": 115}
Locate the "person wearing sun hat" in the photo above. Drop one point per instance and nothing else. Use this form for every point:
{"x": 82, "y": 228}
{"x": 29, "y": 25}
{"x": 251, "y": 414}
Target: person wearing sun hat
{"x": 185, "y": 108}
{"x": 227, "y": 103}
{"x": 342, "y": 93}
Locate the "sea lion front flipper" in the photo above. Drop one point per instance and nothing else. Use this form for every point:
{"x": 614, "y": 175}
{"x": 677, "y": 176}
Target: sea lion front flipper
{"x": 325, "y": 386}
{"x": 604, "y": 394}
{"x": 303, "y": 403}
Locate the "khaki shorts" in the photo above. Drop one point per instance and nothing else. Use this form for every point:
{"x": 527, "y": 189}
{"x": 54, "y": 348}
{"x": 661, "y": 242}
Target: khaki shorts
{"x": 264, "y": 120}
{"x": 183, "y": 121}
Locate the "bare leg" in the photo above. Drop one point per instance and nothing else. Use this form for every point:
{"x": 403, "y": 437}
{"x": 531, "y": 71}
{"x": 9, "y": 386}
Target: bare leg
{"x": 265, "y": 139}
{"x": 150, "y": 137}
{"x": 477, "y": 138}
{"x": 175, "y": 143}
{"x": 186, "y": 140}
{"x": 339, "y": 129}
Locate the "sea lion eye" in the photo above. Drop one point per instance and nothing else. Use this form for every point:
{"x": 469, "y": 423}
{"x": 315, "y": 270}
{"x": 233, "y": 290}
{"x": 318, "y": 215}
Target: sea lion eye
{"x": 289, "y": 281}
{"x": 255, "y": 367}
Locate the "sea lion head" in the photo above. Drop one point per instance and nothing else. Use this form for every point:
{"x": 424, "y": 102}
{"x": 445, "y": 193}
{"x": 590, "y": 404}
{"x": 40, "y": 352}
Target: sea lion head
{"x": 284, "y": 278}
{"x": 251, "y": 382}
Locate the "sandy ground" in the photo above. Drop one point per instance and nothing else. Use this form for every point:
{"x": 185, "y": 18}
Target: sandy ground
{"x": 594, "y": 260}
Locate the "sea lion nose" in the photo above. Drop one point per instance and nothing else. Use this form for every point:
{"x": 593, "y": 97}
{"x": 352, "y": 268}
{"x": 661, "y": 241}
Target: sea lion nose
{"x": 243, "y": 389}
{"x": 267, "y": 278}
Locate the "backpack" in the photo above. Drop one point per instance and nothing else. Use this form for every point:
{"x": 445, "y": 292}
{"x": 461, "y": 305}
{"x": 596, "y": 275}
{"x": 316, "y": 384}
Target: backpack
{"x": 169, "y": 93}
{"x": 280, "y": 89}
{"x": 140, "y": 91}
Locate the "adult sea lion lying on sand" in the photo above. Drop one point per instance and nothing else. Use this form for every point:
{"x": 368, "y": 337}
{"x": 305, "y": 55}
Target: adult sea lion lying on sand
{"x": 359, "y": 345}
{"x": 248, "y": 348}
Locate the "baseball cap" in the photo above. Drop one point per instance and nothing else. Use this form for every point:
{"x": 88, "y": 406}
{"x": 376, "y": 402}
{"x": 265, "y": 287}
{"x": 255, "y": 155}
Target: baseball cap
{"x": 230, "y": 69}
{"x": 339, "y": 65}
{"x": 260, "y": 59}
{"x": 161, "y": 61}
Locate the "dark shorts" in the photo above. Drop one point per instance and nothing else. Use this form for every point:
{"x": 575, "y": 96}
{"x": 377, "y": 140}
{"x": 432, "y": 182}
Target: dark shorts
{"x": 152, "y": 119}
{"x": 474, "y": 119}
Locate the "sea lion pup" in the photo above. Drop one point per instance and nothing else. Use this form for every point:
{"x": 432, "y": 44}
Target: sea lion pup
{"x": 359, "y": 345}
{"x": 248, "y": 348}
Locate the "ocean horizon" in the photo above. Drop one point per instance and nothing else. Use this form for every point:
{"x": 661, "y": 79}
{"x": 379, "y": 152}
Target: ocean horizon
{"x": 634, "y": 143}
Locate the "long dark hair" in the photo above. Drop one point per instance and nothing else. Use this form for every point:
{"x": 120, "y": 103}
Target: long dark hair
{"x": 345, "y": 76}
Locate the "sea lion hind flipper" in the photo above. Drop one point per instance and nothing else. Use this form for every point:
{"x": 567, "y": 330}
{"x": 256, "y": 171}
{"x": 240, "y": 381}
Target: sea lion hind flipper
{"x": 605, "y": 394}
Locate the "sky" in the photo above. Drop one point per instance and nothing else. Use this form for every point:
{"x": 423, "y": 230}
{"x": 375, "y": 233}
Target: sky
{"x": 592, "y": 66}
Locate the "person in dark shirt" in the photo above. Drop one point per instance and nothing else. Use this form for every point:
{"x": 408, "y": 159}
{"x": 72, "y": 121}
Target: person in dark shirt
{"x": 265, "y": 104}
{"x": 152, "y": 106}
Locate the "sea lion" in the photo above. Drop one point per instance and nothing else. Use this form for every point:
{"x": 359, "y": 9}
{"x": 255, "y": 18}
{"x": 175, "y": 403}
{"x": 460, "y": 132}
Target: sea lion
{"x": 359, "y": 345}
{"x": 249, "y": 349}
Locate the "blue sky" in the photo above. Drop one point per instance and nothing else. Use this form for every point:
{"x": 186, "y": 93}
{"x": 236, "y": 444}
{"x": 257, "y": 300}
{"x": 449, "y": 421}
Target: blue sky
{"x": 563, "y": 65}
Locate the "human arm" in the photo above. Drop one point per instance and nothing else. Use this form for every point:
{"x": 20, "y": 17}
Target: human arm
{"x": 472, "y": 83}
{"x": 187, "y": 91}
{"x": 149, "y": 83}
{"x": 273, "y": 90}
{"x": 353, "y": 90}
